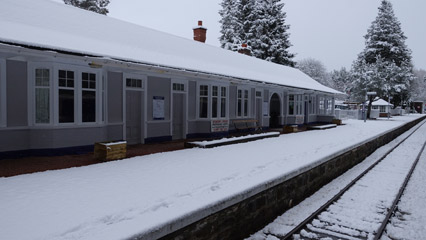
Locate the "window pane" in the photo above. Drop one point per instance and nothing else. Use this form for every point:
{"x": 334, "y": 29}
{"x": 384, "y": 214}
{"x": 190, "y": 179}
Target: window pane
{"x": 89, "y": 106}
{"x": 62, "y": 74}
{"x": 66, "y": 78}
{"x": 204, "y": 90}
{"x": 246, "y": 94}
{"x": 223, "y": 91}
{"x": 203, "y": 107}
{"x": 62, "y": 82}
{"x": 214, "y": 91}
{"x": 66, "y": 106}
{"x": 70, "y": 74}
{"x": 239, "y": 108}
{"x": 92, "y": 85}
{"x": 214, "y": 107}
{"x": 291, "y": 108}
{"x": 42, "y": 77}
{"x": 128, "y": 82}
{"x": 245, "y": 107}
{"x": 239, "y": 93}
{"x": 223, "y": 108}
{"x": 42, "y": 105}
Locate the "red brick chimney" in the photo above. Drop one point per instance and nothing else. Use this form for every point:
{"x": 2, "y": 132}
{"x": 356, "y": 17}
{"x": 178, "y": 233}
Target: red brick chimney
{"x": 200, "y": 32}
{"x": 244, "y": 49}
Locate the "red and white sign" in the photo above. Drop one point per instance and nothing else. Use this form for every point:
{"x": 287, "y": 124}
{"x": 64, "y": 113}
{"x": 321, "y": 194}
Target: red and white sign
{"x": 220, "y": 125}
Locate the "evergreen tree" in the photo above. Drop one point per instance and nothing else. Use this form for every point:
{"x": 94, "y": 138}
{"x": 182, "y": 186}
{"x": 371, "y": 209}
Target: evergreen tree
{"x": 258, "y": 23}
{"x": 98, "y": 6}
{"x": 385, "y": 64}
{"x": 270, "y": 40}
{"x": 245, "y": 18}
{"x": 230, "y": 26}
{"x": 342, "y": 80}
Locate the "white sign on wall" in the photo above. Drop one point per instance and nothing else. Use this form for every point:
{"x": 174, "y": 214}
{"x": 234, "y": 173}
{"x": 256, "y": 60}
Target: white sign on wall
{"x": 300, "y": 119}
{"x": 158, "y": 108}
{"x": 265, "y": 109}
{"x": 220, "y": 125}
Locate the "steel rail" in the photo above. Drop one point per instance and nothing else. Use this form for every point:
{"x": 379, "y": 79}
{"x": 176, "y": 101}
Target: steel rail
{"x": 391, "y": 211}
{"x": 311, "y": 217}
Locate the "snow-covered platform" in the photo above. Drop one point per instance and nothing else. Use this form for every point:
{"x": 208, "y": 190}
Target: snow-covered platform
{"x": 150, "y": 196}
{"x": 232, "y": 140}
{"x": 322, "y": 127}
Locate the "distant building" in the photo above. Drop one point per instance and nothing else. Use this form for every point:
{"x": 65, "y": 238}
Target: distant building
{"x": 70, "y": 78}
{"x": 383, "y": 106}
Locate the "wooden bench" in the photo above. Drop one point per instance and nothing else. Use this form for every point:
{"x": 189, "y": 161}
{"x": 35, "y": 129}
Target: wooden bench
{"x": 245, "y": 124}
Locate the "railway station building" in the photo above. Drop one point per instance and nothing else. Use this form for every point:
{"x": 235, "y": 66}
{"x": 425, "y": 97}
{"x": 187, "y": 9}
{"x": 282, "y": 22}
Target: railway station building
{"x": 70, "y": 78}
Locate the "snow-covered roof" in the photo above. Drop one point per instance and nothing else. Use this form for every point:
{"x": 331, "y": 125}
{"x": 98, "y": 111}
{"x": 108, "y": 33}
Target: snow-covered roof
{"x": 380, "y": 102}
{"x": 56, "y": 26}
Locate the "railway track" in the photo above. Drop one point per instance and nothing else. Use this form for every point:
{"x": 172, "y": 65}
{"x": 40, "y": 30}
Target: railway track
{"x": 362, "y": 209}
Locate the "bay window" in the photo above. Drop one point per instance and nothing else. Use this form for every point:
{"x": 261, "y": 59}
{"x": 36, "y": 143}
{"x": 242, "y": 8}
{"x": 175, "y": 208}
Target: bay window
{"x": 242, "y": 103}
{"x": 212, "y": 101}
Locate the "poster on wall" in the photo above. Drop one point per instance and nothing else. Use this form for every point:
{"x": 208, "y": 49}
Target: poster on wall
{"x": 265, "y": 109}
{"x": 300, "y": 120}
{"x": 158, "y": 108}
{"x": 220, "y": 125}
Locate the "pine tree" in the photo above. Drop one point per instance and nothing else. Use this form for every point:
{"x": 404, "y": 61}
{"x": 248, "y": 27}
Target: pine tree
{"x": 342, "y": 80}
{"x": 261, "y": 25}
{"x": 270, "y": 33}
{"x": 98, "y": 6}
{"x": 230, "y": 26}
{"x": 385, "y": 65}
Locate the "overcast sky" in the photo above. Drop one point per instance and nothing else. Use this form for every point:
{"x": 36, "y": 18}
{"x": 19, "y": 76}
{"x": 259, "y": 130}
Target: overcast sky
{"x": 328, "y": 30}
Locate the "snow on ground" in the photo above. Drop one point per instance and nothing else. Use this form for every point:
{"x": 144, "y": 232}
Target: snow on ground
{"x": 294, "y": 216}
{"x": 410, "y": 220}
{"x": 118, "y": 199}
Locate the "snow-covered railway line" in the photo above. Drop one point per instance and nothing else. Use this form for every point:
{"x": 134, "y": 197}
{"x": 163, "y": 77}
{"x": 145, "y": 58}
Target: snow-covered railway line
{"x": 361, "y": 210}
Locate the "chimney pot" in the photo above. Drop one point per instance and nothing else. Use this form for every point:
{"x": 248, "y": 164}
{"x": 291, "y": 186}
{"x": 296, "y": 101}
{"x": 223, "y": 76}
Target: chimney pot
{"x": 200, "y": 32}
{"x": 244, "y": 50}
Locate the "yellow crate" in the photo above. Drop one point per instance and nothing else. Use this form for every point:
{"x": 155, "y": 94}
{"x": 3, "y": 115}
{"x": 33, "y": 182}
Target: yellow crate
{"x": 106, "y": 151}
{"x": 290, "y": 129}
{"x": 337, "y": 121}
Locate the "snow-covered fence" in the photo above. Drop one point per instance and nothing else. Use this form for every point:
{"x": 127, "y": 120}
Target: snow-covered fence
{"x": 397, "y": 111}
{"x": 354, "y": 114}
{"x": 375, "y": 113}
{"x": 347, "y": 114}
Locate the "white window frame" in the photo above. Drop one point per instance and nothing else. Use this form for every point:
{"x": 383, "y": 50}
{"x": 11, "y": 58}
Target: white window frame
{"x": 54, "y": 69}
{"x": 3, "y": 99}
{"x": 294, "y": 104}
{"x": 97, "y": 90}
{"x": 312, "y": 104}
{"x": 299, "y": 104}
{"x": 210, "y": 100}
{"x": 34, "y": 87}
{"x": 321, "y": 105}
{"x": 243, "y": 102}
